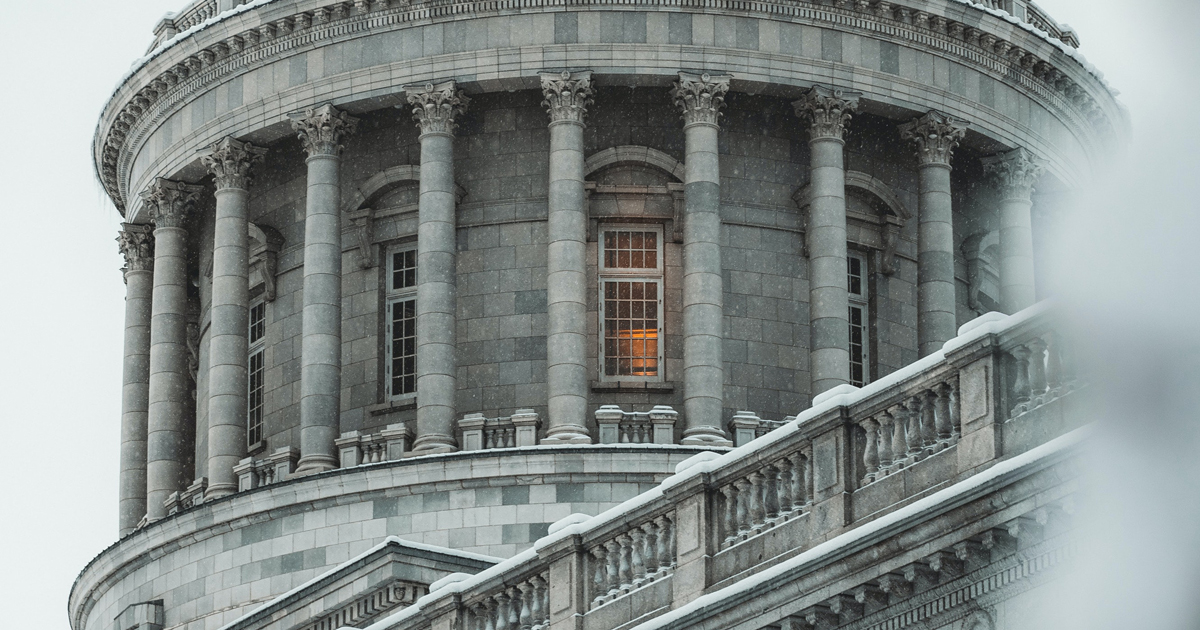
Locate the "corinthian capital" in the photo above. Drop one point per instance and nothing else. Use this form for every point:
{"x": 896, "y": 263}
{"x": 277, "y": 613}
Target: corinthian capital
{"x": 137, "y": 245}
{"x": 322, "y": 129}
{"x": 700, "y": 97}
{"x": 828, "y": 110}
{"x": 936, "y": 136}
{"x": 230, "y": 160}
{"x": 568, "y": 95}
{"x": 170, "y": 202}
{"x": 435, "y": 107}
{"x": 1014, "y": 172}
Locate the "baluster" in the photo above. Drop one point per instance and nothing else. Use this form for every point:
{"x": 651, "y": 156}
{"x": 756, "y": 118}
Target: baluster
{"x": 955, "y": 420}
{"x": 542, "y": 600}
{"x": 899, "y": 414}
{"x": 626, "y": 567}
{"x": 600, "y": 574}
{"x": 623, "y": 429}
{"x": 514, "y": 608}
{"x": 871, "y": 451}
{"x": 729, "y": 519}
{"x": 613, "y": 568}
{"x": 650, "y": 547}
{"x": 526, "y": 597}
{"x": 637, "y": 564}
{"x": 743, "y": 506}
{"x": 771, "y": 492}
{"x": 489, "y": 619}
{"x": 490, "y": 438}
{"x": 478, "y": 622}
{"x": 502, "y": 612}
{"x": 1037, "y": 372}
{"x": 885, "y": 441}
{"x": 666, "y": 542}
{"x": 1054, "y": 366}
{"x": 914, "y": 428}
{"x": 929, "y": 432}
{"x": 757, "y": 513}
{"x": 1066, "y": 361}
{"x": 941, "y": 412}
{"x": 784, "y": 466}
{"x": 1021, "y": 380}
{"x": 799, "y": 497}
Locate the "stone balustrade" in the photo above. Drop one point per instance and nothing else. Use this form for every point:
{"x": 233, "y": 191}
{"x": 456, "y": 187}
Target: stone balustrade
{"x": 656, "y": 426}
{"x": 746, "y": 425}
{"x": 518, "y": 605}
{"x": 255, "y": 473}
{"x": 643, "y": 553}
{"x": 480, "y": 433}
{"x": 389, "y": 445}
{"x": 855, "y": 456}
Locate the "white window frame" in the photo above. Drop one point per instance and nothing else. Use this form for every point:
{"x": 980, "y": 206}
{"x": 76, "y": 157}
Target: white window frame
{"x": 397, "y": 296}
{"x": 255, "y": 415}
{"x": 859, "y": 302}
{"x": 643, "y": 274}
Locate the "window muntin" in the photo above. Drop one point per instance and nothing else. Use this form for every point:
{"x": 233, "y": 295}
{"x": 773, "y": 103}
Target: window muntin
{"x": 400, "y": 364}
{"x": 858, "y": 293}
{"x": 257, "y": 368}
{"x": 631, "y": 303}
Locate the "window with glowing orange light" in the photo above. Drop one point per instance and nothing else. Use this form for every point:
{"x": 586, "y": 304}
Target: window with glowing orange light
{"x": 631, "y": 303}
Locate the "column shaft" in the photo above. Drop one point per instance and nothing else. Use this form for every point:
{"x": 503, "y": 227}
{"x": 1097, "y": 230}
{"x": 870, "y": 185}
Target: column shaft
{"x": 169, "y": 389}
{"x": 827, "y": 272}
{"x": 321, "y": 319}
{"x": 1017, "y": 289}
{"x": 228, "y": 344}
{"x": 936, "y": 310}
{"x": 437, "y": 297}
{"x": 567, "y": 96}
{"x": 135, "y": 391}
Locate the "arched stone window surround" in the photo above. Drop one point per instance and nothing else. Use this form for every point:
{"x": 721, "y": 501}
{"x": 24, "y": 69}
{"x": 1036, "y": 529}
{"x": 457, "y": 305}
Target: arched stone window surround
{"x": 883, "y": 228}
{"x": 360, "y": 207}
{"x": 634, "y": 155}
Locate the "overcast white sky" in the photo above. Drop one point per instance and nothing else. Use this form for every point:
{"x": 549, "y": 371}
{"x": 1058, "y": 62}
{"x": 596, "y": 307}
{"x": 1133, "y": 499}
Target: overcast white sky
{"x": 1131, "y": 268}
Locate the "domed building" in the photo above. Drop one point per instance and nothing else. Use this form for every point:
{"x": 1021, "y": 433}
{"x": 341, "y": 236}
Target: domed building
{"x": 520, "y": 314}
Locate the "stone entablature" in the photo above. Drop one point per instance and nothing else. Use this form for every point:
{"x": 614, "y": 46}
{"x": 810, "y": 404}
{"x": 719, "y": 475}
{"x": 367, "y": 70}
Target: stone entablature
{"x": 983, "y": 479}
{"x": 172, "y": 77}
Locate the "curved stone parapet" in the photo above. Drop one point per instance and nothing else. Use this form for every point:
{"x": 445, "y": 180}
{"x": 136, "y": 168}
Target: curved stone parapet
{"x": 221, "y": 559}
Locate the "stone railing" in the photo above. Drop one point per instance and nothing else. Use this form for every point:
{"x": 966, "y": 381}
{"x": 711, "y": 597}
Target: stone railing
{"x": 656, "y": 426}
{"x": 480, "y": 433}
{"x": 854, "y": 457}
{"x": 746, "y": 425}
{"x": 1039, "y": 19}
{"x": 174, "y": 23}
{"x": 389, "y": 445}
{"x": 255, "y": 473}
{"x": 188, "y": 498}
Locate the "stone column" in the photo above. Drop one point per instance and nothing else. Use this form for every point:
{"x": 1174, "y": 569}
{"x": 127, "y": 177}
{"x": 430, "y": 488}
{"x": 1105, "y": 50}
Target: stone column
{"x": 828, "y": 111}
{"x": 170, "y": 384}
{"x": 935, "y": 135}
{"x": 700, "y": 98}
{"x": 1015, "y": 172}
{"x": 321, "y": 131}
{"x": 435, "y": 107}
{"x": 137, "y": 244}
{"x": 567, "y": 97}
{"x": 229, "y": 162}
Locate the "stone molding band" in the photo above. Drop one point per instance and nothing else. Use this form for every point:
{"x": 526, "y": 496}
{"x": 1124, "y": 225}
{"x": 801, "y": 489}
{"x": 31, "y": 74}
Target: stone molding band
{"x": 1006, "y": 59}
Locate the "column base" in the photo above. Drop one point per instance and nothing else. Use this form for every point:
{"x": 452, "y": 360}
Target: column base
{"x": 217, "y": 491}
{"x": 705, "y": 436}
{"x": 568, "y": 434}
{"x": 432, "y": 445}
{"x": 314, "y": 464}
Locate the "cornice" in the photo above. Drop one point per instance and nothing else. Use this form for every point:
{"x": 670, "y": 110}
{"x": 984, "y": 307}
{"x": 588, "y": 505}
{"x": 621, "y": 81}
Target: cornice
{"x": 220, "y": 50}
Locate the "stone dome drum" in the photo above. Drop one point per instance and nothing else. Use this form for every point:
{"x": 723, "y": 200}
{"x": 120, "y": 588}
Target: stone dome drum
{"x": 436, "y": 275}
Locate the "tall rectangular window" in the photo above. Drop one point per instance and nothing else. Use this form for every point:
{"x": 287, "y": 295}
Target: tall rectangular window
{"x": 859, "y": 320}
{"x": 631, "y": 272}
{"x": 401, "y": 361}
{"x": 257, "y": 365}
